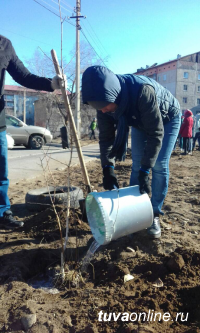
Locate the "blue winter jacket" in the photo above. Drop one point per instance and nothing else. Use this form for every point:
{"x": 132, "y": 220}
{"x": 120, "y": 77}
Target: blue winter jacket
{"x": 128, "y": 92}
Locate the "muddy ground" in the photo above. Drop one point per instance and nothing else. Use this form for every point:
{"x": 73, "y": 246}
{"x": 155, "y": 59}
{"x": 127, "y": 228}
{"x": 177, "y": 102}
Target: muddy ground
{"x": 166, "y": 272}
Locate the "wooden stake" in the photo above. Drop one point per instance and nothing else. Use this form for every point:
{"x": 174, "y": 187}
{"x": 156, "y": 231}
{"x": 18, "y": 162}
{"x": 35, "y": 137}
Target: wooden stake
{"x": 73, "y": 126}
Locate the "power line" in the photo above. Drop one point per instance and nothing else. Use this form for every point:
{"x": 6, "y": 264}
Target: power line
{"x": 91, "y": 37}
{"x": 113, "y": 63}
{"x": 93, "y": 48}
{"x": 102, "y": 47}
{"x": 46, "y": 8}
{"x": 52, "y": 11}
{"x": 96, "y": 36}
{"x": 74, "y": 26}
{"x": 67, "y": 4}
{"x": 35, "y": 40}
{"x": 62, "y": 7}
{"x": 49, "y": 5}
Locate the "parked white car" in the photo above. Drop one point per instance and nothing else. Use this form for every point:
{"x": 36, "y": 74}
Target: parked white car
{"x": 33, "y": 137}
{"x": 10, "y": 141}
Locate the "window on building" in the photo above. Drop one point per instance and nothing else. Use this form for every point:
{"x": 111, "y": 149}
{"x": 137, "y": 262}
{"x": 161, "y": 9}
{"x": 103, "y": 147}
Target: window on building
{"x": 158, "y": 78}
{"x": 198, "y": 89}
{"x": 9, "y": 104}
{"x": 185, "y": 75}
{"x": 8, "y": 97}
{"x": 184, "y": 99}
{"x": 185, "y": 87}
{"x": 198, "y": 101}
{"x": 164, "y": 77}
{"x": 198, "y": 76}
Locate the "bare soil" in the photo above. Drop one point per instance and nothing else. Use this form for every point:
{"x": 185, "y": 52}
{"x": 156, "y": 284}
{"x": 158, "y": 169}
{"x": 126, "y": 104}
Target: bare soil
{"x": 166, "y": 271}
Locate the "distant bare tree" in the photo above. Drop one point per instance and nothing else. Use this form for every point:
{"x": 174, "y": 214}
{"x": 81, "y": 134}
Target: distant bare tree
{"x": 41, "y": 64}
{"x": 88, "y": 57}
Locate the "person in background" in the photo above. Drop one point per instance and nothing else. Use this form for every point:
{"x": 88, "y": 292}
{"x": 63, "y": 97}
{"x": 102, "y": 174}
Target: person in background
{"x": 154, "y": 116}
{"x": 193, "y": 134}
{"x": 197, "y": 135}
{"x": 93, "y": 126}
{"x": 180, "y": 137}
{"x": 10, "y": 62}
{"x": 179, "y": 140}
{"x": 186, "y": 130}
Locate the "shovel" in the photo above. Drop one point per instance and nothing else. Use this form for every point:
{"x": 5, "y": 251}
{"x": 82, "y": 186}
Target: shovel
{"x": 74, "y": 133}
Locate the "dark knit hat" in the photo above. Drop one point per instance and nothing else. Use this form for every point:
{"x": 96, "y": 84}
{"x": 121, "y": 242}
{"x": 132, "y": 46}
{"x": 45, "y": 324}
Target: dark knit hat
{"x": 98, "y": 105}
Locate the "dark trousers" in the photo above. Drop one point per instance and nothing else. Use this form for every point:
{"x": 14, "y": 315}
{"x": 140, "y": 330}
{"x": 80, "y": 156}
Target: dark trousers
{"x": 64, "y": 137}
{"x": 186, "y": 145}
{"x": 196, "y": 138}
{"x": 92, "y": 134}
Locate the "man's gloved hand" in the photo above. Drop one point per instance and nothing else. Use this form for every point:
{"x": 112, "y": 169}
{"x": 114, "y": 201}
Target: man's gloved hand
{"x": 109, "y": 178}
{"x": 144, "y": 185}
{"x": 58, "y": 82}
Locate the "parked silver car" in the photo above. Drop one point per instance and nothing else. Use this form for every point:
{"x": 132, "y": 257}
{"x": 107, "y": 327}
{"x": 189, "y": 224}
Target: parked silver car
{"x": 30, "y": 136}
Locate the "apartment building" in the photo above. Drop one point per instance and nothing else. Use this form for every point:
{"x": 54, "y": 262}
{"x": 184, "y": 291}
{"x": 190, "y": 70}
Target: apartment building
{"x": 180, "y": 76}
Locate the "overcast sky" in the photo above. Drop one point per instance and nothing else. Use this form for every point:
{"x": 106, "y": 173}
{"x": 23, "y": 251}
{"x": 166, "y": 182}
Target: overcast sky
{"x": 133, "y": 33}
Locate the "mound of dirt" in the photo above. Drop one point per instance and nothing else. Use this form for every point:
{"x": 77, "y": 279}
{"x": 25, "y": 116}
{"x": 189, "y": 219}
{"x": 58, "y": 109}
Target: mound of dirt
{"x": 163, "y": 293}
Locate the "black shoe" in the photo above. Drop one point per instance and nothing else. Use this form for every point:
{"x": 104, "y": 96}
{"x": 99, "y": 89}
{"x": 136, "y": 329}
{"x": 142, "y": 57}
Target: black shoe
{"x": 9, "y": 220}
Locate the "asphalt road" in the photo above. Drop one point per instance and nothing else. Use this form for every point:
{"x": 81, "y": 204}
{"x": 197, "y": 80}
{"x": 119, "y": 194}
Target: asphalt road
{"x": 27, "y": 164}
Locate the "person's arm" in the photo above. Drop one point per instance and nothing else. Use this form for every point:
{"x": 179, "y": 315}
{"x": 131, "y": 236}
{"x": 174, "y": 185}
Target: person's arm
{"x": 22, "y": 75}
{"x": 106, "y": 126}
{"x": 183, "y": 126}
{"x": 152, "y": 124}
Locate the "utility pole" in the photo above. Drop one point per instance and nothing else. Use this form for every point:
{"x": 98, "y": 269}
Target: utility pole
{"x": 24, "y": 116}
{"x": 77, "y": 101}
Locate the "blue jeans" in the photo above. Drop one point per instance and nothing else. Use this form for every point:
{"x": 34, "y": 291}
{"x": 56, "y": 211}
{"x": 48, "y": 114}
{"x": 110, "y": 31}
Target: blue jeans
{"x": 181, "y": 142}
{"x": 160, "y": 172}
{"x": 4, "y": 182}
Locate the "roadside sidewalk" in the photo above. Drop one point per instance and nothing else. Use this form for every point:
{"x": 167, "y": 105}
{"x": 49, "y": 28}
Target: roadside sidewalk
{"x": 32, "y": 166}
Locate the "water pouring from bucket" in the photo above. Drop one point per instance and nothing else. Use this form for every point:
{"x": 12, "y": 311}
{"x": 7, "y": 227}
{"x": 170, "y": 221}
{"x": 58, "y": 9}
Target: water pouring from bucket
{"x": 89, "y": 255}
{"x": 117, "y": 213}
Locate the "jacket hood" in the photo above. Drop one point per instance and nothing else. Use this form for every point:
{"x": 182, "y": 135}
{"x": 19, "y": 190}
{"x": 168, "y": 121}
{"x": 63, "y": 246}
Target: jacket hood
{"x": 188, "y": 113}
{"x": 100, "y": 84}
